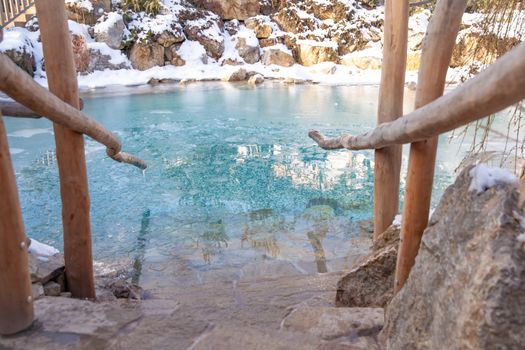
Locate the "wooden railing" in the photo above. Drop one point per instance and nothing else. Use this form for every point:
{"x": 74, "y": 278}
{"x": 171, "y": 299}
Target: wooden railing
{"x": 494, "y": 89}
{"x": 12, "y": 9}
{"x": 61, "y": 105}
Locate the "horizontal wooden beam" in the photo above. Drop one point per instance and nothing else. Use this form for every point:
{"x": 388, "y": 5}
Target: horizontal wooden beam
{"x": 16, "y": 110}
{"x": 22, "y": 88}
{"x": 499, "y": 86}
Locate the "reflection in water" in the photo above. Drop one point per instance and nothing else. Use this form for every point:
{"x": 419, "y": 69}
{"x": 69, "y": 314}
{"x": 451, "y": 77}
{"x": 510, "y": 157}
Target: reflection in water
{"x": 140, "y": 247}
{"x": 262, "y": 230}
{"x": 212, "y": 240}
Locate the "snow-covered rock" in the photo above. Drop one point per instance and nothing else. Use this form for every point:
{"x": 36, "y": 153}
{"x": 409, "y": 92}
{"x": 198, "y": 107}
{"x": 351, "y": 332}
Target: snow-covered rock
{"x": 110, "y": 30}
{"x": 278, "y": 55}
{"x": 19, "y": 45}
{"x": 208, "y": 32}
{"x": 261, "y": 25}
{"x": 231, "y": 9}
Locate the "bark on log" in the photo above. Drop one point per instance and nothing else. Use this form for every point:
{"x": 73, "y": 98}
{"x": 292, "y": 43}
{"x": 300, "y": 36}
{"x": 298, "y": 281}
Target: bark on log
{"x": 16, "y": 301}
{"x": 387, "y": 163}
{"x": 435, "y": 59}
{"x": 22, "y": 88}
{"x": 499, "y": 86}
{"x": 62, "y": 80}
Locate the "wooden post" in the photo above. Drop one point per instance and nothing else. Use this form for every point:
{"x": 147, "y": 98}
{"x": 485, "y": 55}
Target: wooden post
{"x": 16, "y": 301}
{"x": 62, "y": 80}
{"x": 435, "y": 58}
{"x": 387, "y": 164}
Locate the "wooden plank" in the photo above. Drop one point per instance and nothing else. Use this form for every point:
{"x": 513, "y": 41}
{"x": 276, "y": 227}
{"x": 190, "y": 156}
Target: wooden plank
{"x": 435, "y": 59}
{"x": 494, "y": 89}
{"x": 16, "y": 301}
{"x": 61, "y": 74}
{"x": 387, "y": 163}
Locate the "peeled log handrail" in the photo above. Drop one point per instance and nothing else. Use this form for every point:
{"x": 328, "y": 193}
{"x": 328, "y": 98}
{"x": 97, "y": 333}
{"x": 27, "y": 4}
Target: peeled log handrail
{"x": 499, "y": 86}
{"x": 18, "y": 85}
{"x": 16, "y": 110}
{"x": 435, "y": 59}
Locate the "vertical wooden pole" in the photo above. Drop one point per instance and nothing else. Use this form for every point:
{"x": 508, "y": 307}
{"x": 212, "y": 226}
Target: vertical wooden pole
{"x": 62, "y": 80}
{"x": 16, "y": 301}
{"x": 387, "y": 164}
{"x": 435, "y": 59}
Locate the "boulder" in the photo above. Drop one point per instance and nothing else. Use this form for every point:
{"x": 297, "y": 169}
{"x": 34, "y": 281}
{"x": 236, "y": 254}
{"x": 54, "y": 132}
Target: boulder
{"x": 310, "y": 52}
{"x": 334, "y": 10}
{"x": 208, "y": 34}
{"x": 238, "y": 75}
{"x": 256, "y": 79}
{"x": 467, "y": 287}
{"x": 370, "y": 283}
{"x": 170, "y": 37}
{"x": 232, "y": 27}
{"x": 99, "y": 59}
{"x": 250, "y": 54}
{"x": 172, "y": 55}
{"x": 476, "y": 47}
{"x": 270, "y": 42}
{"x": 110, "y": 30}
{"x": 231, "y": 9}
{"x": 145, "y": 55}
{"x": 87, "y": 12}
{"x": 278, "y": 57}
{"x": 362, "y": 62}
{"x": 289, "y": 20}
{"x": 52, "y": 289}
{"x": 80, "y": 53}
{"x": 260, "y": 25}
{"x": 23, "y": 59}
{"x": 331, "y": 323}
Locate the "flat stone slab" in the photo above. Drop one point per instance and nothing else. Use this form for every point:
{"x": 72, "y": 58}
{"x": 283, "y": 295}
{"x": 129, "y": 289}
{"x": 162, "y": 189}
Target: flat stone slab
{"x": 330, "y": 323}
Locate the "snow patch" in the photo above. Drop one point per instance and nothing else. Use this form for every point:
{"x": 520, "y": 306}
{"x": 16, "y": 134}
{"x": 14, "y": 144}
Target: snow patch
{"x": 485, "y": 177}
{"x": 110, "y": 20}
{"x": 41, "y": 249}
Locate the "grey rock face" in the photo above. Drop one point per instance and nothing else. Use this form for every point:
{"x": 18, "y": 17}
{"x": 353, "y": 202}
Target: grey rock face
{"x": 467, "y": 287}
{"x": 250, "y": 54}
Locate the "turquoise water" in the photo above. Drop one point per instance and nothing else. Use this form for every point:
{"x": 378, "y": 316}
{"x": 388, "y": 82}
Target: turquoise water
{"x": 232, "y": 174}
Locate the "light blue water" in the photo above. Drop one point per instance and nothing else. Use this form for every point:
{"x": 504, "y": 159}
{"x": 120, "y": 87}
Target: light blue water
{"x": 231, "y": 171}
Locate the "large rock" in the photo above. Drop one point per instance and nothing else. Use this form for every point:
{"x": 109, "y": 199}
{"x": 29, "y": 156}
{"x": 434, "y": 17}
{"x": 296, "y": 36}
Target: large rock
{"x": 111, "y": 30}
{"x": 370, "y": 283}
{"x": 173, "y": 57}
{"x": 23, "y": 59}
{"x": 290, "y": 20}
{"x": 467, "y": 287}
{"x": 278, "y": 57}
{"x": 484, "y": 48}
{"x": 310, "y": 52}
{"x": 87, "y": 12}
{"x": 208, "y": 33}
{"x": 332, "y": 10}
{"x": 330, "y": 322}
{"x": 260, "y": 25}
{"x": 100, "y": 59}
{"x": 80, "y": 53}
{"x": 231, "y": 9}
{"x": 145, "y": 55}
{"x": 249, "y": 53}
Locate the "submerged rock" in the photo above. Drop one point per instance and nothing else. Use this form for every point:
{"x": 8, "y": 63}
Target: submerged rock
{"x": 467, "y": 287}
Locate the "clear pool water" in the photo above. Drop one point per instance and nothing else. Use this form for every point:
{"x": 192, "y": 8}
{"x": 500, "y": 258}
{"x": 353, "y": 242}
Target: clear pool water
{"x": 232, "y": 174}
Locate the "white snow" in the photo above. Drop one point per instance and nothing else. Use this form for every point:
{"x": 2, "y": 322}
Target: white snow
{"x": 331, "y": 44}
{"x": 418, "y": 22}
{"x": 79, "y": 29}
{"x": 485, "y": 177}
{"x": 41, "y": 249}
{"x": 192, "y": 52}
{"x": 397, "y": 220}
{"x": 110, "y": 20}
{"x": 521, "y": 238}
